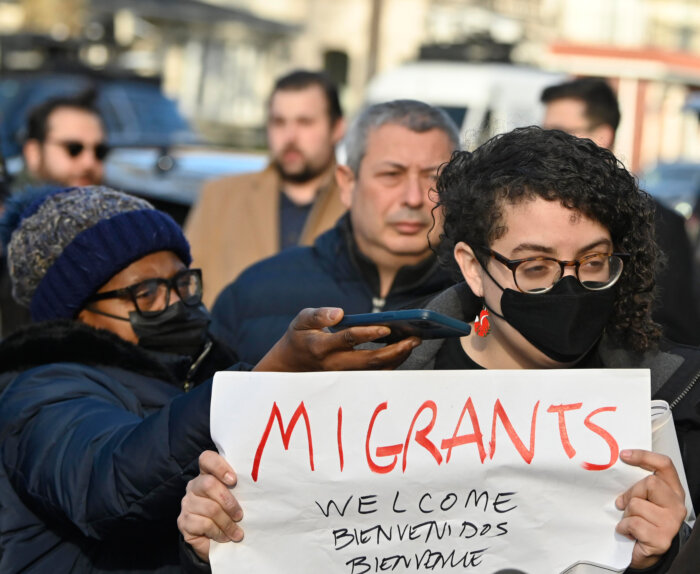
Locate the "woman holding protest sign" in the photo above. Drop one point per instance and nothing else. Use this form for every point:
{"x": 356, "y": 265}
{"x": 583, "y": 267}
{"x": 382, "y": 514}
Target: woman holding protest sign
{"x": 554, "y": 235}
{"x": 556, "y": 238}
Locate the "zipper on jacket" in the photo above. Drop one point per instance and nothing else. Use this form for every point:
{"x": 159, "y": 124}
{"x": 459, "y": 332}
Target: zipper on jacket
{"x": 685, "y": 391}
{"x": 378, "y": 304}
{"x": 187, "y": 385}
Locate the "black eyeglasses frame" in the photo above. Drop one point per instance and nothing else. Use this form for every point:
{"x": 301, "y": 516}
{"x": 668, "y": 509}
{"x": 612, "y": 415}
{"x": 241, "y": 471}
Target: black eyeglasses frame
{"x": 130, "y": 292}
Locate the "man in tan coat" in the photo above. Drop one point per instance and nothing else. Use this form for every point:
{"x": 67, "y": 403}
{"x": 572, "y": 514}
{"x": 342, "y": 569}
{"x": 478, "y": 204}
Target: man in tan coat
{"x": 239, "y": 220}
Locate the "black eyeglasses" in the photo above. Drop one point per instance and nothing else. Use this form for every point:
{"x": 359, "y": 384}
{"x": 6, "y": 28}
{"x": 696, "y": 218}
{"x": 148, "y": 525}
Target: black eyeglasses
{"x": 596, "y": 271}
{"x": 75, "y": 148}
{"x": 152, "y": 296}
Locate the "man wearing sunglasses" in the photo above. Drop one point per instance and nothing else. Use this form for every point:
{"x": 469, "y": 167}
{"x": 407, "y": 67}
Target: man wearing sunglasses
{"x": 64, "y": 146}
{"x": 65, "y": 142}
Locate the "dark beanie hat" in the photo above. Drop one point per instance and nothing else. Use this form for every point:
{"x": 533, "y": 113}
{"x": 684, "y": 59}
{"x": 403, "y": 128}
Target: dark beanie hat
{"x": 72, "y": 242}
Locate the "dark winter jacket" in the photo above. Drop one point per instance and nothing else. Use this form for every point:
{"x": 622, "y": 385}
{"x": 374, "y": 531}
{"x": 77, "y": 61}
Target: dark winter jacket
{"x": 254, "y": 311}
{"x": 675, "y": 307}
{"x": 688, "y": 559}
{"x": 97, "y": 443}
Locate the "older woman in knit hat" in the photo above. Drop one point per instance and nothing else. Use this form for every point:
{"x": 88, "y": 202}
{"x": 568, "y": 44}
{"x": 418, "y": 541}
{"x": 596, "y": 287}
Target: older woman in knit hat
{"x": 98, "y": 437}
{"x": 76, "y": 242}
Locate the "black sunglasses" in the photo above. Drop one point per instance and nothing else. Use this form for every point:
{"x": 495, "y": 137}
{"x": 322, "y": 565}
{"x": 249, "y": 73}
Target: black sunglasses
{"x": 75, "y": 148}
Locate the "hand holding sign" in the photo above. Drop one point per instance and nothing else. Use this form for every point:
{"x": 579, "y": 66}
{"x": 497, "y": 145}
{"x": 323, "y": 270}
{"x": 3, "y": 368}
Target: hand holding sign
{"x": 654, "y": 507}
{"x": 306, "y": 346}
{"x": 439, "y": 471}
{"x": 209, "y": 510}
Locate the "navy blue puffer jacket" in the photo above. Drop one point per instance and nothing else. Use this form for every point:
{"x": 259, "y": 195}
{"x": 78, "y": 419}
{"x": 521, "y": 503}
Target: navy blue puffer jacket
{"x": 96, "y": 449}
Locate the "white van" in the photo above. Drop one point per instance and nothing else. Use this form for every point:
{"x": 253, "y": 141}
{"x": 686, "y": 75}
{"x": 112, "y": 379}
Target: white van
{"x": 483, "y": 99}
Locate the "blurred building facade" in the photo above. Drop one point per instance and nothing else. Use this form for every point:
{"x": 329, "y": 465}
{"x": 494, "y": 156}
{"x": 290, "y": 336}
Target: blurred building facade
{"x": 219, "y": 58}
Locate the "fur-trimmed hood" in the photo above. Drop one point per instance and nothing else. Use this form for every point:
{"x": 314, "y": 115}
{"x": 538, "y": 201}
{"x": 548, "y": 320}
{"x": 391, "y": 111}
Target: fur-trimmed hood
{"x": 65, "y": 341}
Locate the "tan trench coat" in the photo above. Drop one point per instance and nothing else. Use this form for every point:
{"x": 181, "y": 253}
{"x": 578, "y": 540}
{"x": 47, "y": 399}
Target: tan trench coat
{"x": 235, "y": 223}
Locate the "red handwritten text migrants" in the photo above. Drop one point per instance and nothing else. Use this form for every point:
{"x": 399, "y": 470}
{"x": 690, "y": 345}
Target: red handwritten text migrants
{"x": 383, "y": 459}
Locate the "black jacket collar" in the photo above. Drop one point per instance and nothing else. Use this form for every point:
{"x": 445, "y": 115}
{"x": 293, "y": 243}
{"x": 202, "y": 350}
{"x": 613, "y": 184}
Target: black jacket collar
{"x": 407, "y": 279}
{"x": 65, "y": 341}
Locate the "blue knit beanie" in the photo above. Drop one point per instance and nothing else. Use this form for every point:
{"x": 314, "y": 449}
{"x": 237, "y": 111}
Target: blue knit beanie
{"x": 70, "y": 243}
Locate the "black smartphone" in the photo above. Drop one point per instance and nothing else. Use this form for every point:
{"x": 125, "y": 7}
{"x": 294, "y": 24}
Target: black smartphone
{"x": 406, "y": 323}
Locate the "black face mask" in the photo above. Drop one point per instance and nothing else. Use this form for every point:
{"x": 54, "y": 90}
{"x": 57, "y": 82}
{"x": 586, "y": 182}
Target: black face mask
{"x": 563, "y": 323}
{"x": 179, "y": 329}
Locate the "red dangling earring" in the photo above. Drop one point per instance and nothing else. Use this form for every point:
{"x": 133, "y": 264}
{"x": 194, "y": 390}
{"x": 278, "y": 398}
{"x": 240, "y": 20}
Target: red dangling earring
{"x": 482, "y": 325}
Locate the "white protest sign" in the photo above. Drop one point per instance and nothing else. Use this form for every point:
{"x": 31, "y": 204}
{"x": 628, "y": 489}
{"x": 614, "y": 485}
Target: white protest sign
{"x": 665, "y": 441}
{"x": 364, "y": 472}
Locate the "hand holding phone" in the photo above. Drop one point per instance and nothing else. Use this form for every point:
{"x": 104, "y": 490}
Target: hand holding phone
{"x": 421, "y": 323}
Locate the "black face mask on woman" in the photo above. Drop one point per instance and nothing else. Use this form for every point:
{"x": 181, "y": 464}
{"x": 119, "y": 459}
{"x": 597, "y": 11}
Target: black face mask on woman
{"x": 563, "y": 323}
{"x": 180, "y": 329}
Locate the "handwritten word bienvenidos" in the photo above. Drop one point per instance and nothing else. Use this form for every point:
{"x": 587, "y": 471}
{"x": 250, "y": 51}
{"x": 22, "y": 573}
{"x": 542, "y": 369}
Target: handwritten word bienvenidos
{"x": 390, "y": 453}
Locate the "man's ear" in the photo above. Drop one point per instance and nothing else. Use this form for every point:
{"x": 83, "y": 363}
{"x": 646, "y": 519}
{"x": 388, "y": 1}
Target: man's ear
{"x": 32, "y": 155}
{"x": 346, "y": 183}
{"x": 470, "y": 267}
{"x": 604, "y": 136}
{"x": 338, "y": 130}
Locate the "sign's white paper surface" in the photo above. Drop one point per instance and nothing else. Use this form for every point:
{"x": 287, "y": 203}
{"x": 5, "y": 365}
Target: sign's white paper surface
{"x": 430, "y": 470}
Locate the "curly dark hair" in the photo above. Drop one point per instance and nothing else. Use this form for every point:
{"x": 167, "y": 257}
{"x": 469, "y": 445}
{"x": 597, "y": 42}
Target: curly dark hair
{"x": 531, "y": 162}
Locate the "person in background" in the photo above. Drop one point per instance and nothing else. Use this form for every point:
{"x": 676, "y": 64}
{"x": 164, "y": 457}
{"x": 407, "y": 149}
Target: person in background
{"x": 65, "y": 143}
{"x": 105, "y": 398}
{"x": 239, "y": 220}
{"x": 378, "y": 256}
{"x": 588, "y": 108}
{"x": 563, "y": 260}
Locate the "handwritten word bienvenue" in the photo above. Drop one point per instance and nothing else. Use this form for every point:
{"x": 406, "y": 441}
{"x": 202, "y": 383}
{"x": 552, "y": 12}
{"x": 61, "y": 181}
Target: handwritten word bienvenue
{"x": 385, "y": 458}
{"x": 427, "y": 560}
